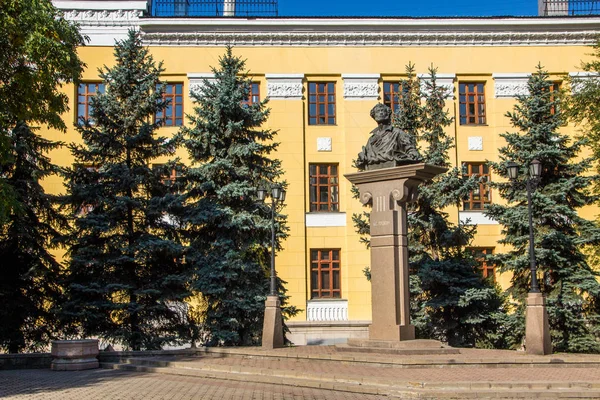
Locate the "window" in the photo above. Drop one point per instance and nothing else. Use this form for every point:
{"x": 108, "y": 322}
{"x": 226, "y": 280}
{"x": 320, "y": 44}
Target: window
{"x": 472, "y": 103}
{"x": 89, "y": 175}
{"x": 480, "y": 253}
{"x": 324, "y": 190}
{"x": 321, "y": 103}
{"x": 478, "y": 198}
{"x": 554, "y": 88}
{"x": 170, "y": 177}
{"x": 254, "y": 95}
{"x": 172, "y": 115}
{"x": 325, "y": 273}
{"x": 85, "y": 92}
{"x": 391, "y": 92}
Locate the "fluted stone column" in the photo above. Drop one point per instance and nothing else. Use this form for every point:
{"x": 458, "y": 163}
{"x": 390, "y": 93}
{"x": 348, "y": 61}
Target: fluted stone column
{"x": 389, "y": 190}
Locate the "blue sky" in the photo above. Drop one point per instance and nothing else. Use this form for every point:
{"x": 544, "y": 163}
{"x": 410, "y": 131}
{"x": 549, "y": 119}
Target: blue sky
{"x": 418, "y": 8}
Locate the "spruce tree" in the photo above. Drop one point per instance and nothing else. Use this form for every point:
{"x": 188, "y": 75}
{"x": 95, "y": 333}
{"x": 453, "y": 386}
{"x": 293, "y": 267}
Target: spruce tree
{"x": 126, "y": 279}
{"x": 569, "y": 283}
{"x": 39, "y": 55}
{"x": 229, "y": 231}
{"x": 29, "y": 284}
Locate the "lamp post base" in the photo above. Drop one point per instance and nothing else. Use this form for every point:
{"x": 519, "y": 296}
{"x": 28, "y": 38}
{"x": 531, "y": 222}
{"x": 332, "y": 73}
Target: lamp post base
{"x": 537, "y": 329}
{"x": 272, "y": 335}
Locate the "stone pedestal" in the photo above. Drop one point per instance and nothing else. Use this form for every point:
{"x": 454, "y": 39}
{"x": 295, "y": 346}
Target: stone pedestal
{"x": 272, "y": 336}
{"x": 537, "y": 329}
{"x": 74, "y": 355}
{"x": 389, "y": 190}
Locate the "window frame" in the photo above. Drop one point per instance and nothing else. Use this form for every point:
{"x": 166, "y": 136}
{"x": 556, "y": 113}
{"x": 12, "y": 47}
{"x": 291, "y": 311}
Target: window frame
{"x": 161, "y": 117}
{"x": 480, "y": 254}
{"x": 332, "y": 206}
{"x": 253, "y": 95}
{"x": 394, "y": 93}
{"x": 171, "y": 179}
{"x": 319, "y": 266}
{"x": 316, "y": 117}
{"x": 479, "y": 116}
{"x": 87, "y": 96}
{"x": 483, "y": 187}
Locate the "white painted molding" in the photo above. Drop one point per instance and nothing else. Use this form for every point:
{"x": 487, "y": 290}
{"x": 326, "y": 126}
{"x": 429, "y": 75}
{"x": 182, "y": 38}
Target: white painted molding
{"x": 475, "y": 218}
{"x": 284, "y": 86}
{"x": 324, "y": 144}
{"x": 327, "y": 310}
{"x": 444, "y": 80}
{"x": 578, "y": 79}
{"x": 197, "y": 79}
{"x": 510, "y": 85}
{"x": 361, "y": 86}
{"x": 475, "y": 143}
{"x": 99, "y": 5}
{"x": 324, "y": 219}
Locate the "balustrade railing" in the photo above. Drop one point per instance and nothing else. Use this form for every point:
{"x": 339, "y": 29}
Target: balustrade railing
{"x": 569, "y": 7}
{"x": 213, "y": 8}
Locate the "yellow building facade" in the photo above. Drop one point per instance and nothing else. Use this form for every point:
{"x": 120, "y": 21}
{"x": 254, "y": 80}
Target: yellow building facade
{"x": 323, "y": 76}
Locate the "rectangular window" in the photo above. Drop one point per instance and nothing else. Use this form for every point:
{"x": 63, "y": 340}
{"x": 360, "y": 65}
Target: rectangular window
{"x": 472, "y": 103}
{"x": 172, "y": 115}
{"x": 321, "y": 103}
{"x": 391, "y": 92}
{"x": 85, "y": 92}
{"x": 487, "y": 269}
{"x": 325, "y": 273}
{"x": 254, "y": 95}
{"x": 324, "y": 187}
{"x": 171, "y": 177}
{"x": 478, "y": 198}
{"x": 554, "y": 88}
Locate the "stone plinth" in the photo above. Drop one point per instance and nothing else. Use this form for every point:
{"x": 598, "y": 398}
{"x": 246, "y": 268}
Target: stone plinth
{"x": 389, "y": 190}
{"x": 537, "y": 329}
{"x": 272, "y": 336}
{"x": 74, "y": 355}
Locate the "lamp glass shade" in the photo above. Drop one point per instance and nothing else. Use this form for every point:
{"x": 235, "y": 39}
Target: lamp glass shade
{"x": 276, "y": 192}
{"x": 513, "y": 170}
{"x": 535, "y": 169}
{"x": 282, "y": 196}
{"x": 261, "y": 194}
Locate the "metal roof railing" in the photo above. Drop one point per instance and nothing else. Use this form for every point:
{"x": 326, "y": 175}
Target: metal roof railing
{"x": 569, "y": 7}
{"x": 213, "y": 8}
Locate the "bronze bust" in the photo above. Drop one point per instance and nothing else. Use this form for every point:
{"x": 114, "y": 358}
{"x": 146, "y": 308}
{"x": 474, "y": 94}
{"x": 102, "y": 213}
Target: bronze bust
{"x": 387, "y": 146}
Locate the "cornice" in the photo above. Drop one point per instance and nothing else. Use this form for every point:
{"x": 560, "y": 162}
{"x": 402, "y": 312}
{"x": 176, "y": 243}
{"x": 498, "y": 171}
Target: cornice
{"x": 361, "y": 39}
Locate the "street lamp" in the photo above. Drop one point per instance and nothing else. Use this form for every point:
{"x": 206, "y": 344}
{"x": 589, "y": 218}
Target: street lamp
{"x": 537, "y": 330}
{"x": 535, "y": 172}
{"x": 272, "y": 336}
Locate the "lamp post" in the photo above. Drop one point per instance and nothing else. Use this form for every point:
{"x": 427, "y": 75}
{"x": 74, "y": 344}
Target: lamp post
{"x": 272, "y": 336}
{"x": 537, "y": 331}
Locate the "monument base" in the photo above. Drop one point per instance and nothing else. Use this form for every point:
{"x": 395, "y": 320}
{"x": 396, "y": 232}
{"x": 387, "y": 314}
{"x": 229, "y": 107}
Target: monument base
{"x": 405, "y": 347}
{"x": 272, "y": 335}
{"x": 74, "y": 355}
{"x": 537, "y": 329}
{"x": 394, "y": 333}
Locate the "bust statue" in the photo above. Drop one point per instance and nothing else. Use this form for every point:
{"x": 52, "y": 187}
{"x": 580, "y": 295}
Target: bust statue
{"x": 387, "y": 146}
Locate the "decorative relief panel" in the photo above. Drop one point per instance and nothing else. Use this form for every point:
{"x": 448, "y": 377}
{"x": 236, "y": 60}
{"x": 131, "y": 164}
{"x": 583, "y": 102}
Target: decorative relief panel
{"x": 323, "y": 144}
{"x": 444, "y": 80}
{"x": 103, "y": 17}
{"x": 196, "y": 81}
{"x": 579, "y": 78}
{"x": 510, "y": 85}
{"x": 361, "y": 87}
{"x": 284, "y": 86}
{"x": 475, "y": 143}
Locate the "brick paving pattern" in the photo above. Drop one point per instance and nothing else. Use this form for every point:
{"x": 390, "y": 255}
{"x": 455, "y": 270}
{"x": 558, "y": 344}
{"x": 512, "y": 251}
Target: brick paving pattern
{"x": 118, "y": 385}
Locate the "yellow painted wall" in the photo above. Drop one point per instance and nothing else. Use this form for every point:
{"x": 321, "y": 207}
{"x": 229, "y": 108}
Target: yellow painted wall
{"x": 298, "y": 139}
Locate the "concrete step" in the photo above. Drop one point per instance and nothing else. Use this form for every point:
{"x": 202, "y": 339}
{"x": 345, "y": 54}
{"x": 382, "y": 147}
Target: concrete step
{"x": 373, "y": 385}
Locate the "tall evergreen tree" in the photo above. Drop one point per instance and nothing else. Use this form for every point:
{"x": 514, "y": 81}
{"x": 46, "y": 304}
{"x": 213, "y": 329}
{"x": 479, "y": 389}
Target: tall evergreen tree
{"x": 126, "y": 278}
{"x": 229, "y": 232}
{"x": 570, "y": 285}
{"x": 38, "y": 56}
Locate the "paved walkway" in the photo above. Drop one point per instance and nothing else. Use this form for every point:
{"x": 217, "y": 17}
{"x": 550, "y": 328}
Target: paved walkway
{"x": 119, "y": 385}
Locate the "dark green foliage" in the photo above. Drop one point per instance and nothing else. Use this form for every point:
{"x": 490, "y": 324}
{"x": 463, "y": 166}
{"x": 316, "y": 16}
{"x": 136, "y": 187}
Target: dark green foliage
{"x": 38, "y": 56}
{"x": 229, "y": 232}
{"x": 28, "y": 287}
{"x": 567, "y": 279}
{"x": 126, "y": 278}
